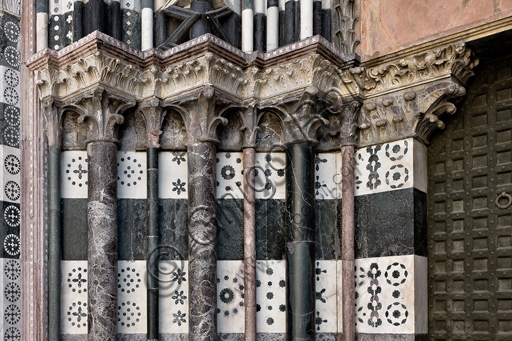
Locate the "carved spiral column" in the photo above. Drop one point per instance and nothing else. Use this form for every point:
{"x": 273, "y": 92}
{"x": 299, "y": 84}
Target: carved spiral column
{"x": 102, "y": 113}
{"x": 300, "y": 207}
{"x": 202, "y": 228}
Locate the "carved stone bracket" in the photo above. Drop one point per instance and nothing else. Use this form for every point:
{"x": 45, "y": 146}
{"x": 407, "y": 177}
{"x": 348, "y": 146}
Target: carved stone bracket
{"x": 250, "y": 118}
{"x": 102, "y": 112}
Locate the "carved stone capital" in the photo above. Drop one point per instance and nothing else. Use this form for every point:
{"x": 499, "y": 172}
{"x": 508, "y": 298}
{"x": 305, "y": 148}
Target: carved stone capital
{"x": 52, "y": 122}
{"x": 250, "y": 117}
{"x": 349, "y": 122}
{"x": 153, "y": 113}
{"x": 303, "y": 118}
{"x": 102, "y": 112}
{"x": 200, "y": 115}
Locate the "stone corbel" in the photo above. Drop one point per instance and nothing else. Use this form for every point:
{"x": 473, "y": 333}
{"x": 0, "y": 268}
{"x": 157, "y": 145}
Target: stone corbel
{"x": 102, "y": 112}
{"x": 303, "y": 119}
{"x": 153, "y": 113}
{"x": 53, "y": 122}
{"x": 199, "y": 113}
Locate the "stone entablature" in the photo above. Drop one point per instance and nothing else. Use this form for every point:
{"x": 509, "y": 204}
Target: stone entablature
{"x": 400, "y": 99}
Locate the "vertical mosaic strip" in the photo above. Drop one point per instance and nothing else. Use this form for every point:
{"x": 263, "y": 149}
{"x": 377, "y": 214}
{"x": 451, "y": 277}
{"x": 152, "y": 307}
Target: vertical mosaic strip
{"x": 131, "y": 175}
{"x": 60, "y": 23}
{"x": 74, "y": 308}
{"x": 328, "y": 176}
{"x": 230, "y": 297}
{"x": 131, "y": 33}
{"x": 174, "y": 298}
{"x": 172, "y": 175}
{"x": 271, "y": 296}
{"x": 132, "y": 297}
{"x": 270, "y": 176}
{"x": 74, "y": 175}
{"x": 11, "y": 307}
{"x": 230, "y": 175}
{"x": 391, "y": 166}
{"x": 10, "y": 175}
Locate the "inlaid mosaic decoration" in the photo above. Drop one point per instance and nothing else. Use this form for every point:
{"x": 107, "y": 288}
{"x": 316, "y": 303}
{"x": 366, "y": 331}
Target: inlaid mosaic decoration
{"x": 10, "y": 307}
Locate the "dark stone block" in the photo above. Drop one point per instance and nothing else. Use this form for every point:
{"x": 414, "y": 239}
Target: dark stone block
{"x": 326, "y": 229}
{"x": 270, "y": 337}
{"x": 74, "y": 337}
{"x": 131, "y": 337}
{"x": 326, "y": 336}
{"x": 276, "y": 229}
{"x": 391, "y": 337}
{"x": 391, "y": 224}
{"x": 270, "y": 229}
{"x": 230, "y": 229}
{"x": 230, "y": 337}
{"x": 173, "y": 337}
{"x": 74, "y": 229}
{"x": 132, "y": 214}
{"x": 172, "y": 221}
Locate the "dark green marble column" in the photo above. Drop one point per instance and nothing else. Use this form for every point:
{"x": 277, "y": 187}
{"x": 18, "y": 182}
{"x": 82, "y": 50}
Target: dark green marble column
{"x": 152, "y": 243}
{"x": 301, "y": 242}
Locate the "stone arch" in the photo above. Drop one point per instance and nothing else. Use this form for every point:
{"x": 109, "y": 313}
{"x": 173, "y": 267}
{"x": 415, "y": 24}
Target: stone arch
{"x": 74, "y": 133}
{"x": 132, "y": 133}
{"x": 271, "y": 130}
{"x": 174, "y": 131}
{"x": 231, "y": 136}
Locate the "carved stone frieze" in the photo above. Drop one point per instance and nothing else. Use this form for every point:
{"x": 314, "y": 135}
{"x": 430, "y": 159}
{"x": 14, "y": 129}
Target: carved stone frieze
{"x": 94, "y": 70}
{"x": 455, "y": 60}
{"x": 403, "y": 98}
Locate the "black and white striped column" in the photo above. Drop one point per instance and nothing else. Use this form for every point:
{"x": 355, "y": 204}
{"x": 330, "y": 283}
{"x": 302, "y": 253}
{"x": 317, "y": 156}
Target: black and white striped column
{"x": 259, "y": 25}
{"x": 42, "y": 24}
{"x": 272, "y": 25}
{"x": 247, "y": 25}
{"x": 147, "y": 25}
{"x": 326, "y": 19}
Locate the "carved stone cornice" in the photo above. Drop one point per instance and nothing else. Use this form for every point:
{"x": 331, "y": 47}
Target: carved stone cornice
{"x": 86, "y": 73}
{"x": 408, "y": 97}
{"x": 101, "y": 111}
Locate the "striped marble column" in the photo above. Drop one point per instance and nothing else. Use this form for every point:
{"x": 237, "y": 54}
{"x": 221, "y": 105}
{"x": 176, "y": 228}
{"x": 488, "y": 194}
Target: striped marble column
{"x": 306, "y": 19}
{"x": 147, "y": 25}
{"x": 259, "y": 25}
{"x": 326, "y": 20}
{"x": 41, "y": 24}
{"x": 247, "y": 25}
{"x": 272, "y": 25}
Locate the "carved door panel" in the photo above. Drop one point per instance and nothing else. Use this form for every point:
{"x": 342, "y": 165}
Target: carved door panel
{"x": 470, "y": 214}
